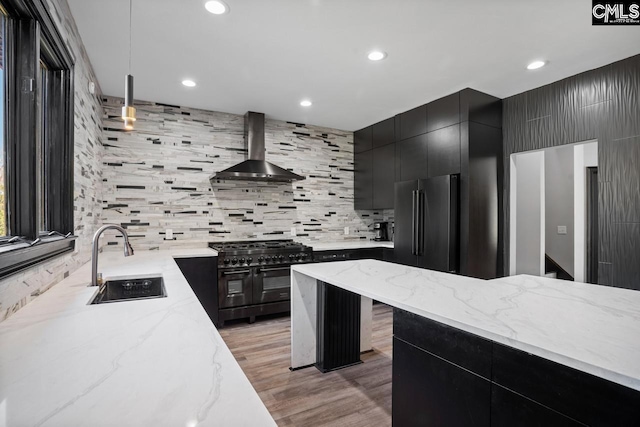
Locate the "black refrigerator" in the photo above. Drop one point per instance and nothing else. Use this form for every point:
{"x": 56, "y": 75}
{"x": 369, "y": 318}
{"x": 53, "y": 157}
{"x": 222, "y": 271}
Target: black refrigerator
{"x": 427, "y": 223}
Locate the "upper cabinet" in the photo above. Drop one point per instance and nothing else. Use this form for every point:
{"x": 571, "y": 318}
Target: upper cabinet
{"x": 443, "y": 112}
{"x": 412, "y": 158}
{"x": 384, "y": 176}
{"x": 443, "y": 151}
{"x": 362, "y": 140}
{"x": 413, "y": 122}
{"x": 363, "y": 180}
{"x": 383, "y": 133}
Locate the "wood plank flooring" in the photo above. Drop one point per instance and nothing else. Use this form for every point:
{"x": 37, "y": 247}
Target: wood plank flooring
{"x": 356, "y": 396}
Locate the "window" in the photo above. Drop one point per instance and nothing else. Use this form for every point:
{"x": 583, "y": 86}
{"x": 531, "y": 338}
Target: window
{"x": 36, "y": 137}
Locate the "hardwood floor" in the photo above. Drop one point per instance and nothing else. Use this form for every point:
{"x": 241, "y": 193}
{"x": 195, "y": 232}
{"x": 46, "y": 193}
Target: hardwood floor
{"x": 356, "y": 396}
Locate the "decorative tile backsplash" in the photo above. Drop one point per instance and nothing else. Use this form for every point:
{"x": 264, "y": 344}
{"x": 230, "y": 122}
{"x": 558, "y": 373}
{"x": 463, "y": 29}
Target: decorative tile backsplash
{"x": 157, "y": 177}
{"x": 17, "y": 290}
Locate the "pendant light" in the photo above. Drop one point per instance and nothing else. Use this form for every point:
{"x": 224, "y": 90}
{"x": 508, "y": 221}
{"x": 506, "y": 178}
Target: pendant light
{"x": 129, "y": 111}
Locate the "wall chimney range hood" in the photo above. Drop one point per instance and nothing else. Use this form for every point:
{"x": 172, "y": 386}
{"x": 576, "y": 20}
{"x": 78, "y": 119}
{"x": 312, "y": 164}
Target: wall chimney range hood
{"x": 255, "y": 168}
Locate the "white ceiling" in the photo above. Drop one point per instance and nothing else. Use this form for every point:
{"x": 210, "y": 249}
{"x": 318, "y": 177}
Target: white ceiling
{"x": 267, "y": 55}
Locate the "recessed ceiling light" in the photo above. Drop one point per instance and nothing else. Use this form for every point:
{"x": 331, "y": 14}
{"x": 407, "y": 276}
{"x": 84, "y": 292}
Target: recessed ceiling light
{"x": 189, "y": 83}
{"x": 376, "y": 55}
{"x": 217, "y": 7}
{"x": 535, "y": 65}
{"x": 305, "y": 103}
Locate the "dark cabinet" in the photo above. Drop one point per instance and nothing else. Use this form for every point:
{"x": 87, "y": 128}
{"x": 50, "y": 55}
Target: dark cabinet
{"x": 384, "y": 170}
{"x": 363, "y": 180}
{"x": 383, "y": 133}
{"x": 429, "y": 391}
{"x": 510, "y": 409}
{"x": 443, "y": 151}
{"x": 412, "y": 158}
{"x": 413, "y": 122}
{"x": 362, "y": 140}
{"x": 443, "y": 112}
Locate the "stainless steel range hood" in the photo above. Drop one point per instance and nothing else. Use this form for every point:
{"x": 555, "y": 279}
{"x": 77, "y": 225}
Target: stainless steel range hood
{"x": 255, "y": 168}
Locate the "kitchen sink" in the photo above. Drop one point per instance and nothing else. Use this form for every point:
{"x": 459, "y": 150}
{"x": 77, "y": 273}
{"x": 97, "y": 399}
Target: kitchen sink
{"x": 131, "y": 288}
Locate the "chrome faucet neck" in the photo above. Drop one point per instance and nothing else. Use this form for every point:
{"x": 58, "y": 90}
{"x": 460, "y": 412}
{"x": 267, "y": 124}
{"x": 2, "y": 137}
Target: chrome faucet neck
{"x": 128, "y": 250}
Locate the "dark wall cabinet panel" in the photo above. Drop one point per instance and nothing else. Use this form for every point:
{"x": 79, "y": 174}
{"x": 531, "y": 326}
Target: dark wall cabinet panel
{"x": 362, "y": 140}
{"x": 443, "y": 151}
{"x": 480, "y": 201}
{"x": 384, "y": 172}
{"x": 443, "y": 112}
{"x": 413, "y": 122}
{"x": 480, "y": 108}
{"x": 363, "y": 180}
{"x": 384, "y": 133}
{"x": 429, "y": 391}
{"x": 576, "y": 394}
{"x": 601, "y": 104}
{"x": 459, "y": 347}
{"x": 509, "y": 409}
{"x": 412, "y": 154}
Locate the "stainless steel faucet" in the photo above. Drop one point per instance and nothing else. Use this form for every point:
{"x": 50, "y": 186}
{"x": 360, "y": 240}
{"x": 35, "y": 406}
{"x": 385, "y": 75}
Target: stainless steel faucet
{"x": 128, "y": 250}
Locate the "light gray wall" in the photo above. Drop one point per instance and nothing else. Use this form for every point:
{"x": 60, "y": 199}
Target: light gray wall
{"x": 157, "y": 177}
{"x": 559, "y": 200}
{"x": 529, "y": 209}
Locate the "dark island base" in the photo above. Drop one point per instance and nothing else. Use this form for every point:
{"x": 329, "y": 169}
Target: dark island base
{"x": 443, "y": 376}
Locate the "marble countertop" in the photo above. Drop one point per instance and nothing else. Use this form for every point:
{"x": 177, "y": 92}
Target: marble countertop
{"x": 349, "y": 244}
{"x": 134, "y": 363}
{"x": 595, "y": 329}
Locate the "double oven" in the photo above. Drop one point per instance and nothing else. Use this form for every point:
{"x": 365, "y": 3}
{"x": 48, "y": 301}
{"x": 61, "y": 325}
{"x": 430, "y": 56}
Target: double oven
{"x": 254, "y": 278}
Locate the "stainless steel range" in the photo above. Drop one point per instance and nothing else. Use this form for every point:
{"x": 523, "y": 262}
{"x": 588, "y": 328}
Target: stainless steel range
{"x": 254, "y": 277}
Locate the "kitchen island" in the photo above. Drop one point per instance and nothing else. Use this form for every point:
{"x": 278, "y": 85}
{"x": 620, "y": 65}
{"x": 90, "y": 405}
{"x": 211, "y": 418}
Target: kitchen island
{"x": 132, "y": 363}
{"x": 592, "y": 332}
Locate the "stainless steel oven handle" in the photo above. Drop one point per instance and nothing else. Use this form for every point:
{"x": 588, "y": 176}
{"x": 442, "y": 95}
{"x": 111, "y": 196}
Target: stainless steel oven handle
{"x": 266, "y": 270}
{"x": 229, "y": 273}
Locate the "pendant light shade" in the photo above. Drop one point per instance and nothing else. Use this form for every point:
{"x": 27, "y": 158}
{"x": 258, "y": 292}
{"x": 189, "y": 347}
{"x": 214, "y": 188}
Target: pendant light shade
{"x": 128, "y": 111}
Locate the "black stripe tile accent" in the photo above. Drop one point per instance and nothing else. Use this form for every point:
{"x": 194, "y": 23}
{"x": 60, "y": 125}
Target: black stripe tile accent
{"x": 131, "y": 187}
{"x": 287, "y": 207}
{"x": 184, "y": 188}
{"x": 187, "y": 213}
{"x": 158, "y": 167}
{"x": 114, "y": 164}
{"x": 236, "y": 215}
{"x": 186, "y": 142}
{"x": 215, "y": 223}
{"x": 184, "y": 168}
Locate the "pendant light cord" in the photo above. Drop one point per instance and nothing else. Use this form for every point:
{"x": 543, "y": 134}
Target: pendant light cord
{"x": 130, "y": 13}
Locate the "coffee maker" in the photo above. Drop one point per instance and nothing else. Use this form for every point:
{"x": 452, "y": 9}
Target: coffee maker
{"x": 381, "y": 231}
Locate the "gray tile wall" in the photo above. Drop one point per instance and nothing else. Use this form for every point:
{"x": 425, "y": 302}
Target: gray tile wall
{"x": 602, "y": 104}
{"x": 157, "y": 177}
{"x": 17, "y": 290}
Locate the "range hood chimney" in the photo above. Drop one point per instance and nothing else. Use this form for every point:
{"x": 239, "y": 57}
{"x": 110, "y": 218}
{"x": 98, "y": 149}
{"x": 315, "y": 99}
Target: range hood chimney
{"x": 255, "y": 168}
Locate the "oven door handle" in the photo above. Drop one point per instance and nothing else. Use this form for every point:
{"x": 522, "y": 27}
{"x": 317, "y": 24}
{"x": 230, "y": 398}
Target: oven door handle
{"x": 230, "y": 273}
{"x": 266, "y": 270}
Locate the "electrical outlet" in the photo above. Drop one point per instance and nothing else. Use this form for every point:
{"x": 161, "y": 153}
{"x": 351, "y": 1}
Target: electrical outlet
{"x": 293, "y": 231}
{"x": 346, "y": 231}
{"x": 168, "y": 234}
{"x": 562, "y": 229}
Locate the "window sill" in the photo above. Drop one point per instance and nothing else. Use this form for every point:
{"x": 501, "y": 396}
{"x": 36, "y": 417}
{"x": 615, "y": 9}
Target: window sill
{"x": 21, "y": 257}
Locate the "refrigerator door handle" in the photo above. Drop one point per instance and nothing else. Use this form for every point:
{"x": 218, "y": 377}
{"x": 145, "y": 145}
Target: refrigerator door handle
{"x": 413, "y": 222}
{"x": 420, "y": 227}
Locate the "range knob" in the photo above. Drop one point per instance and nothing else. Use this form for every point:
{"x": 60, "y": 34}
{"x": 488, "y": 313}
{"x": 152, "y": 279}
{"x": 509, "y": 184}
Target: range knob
{"x": 249, "y": 260}
{"x": 267, "y": 258}
{"x": 260, "y": 259}
{"x": 281, "y": 257}
{"x": 226, "y": 261}
{"x": 297, "y": 257}
{"x": 234, "y": 261}
{"x": 303, "y": 256}
{"x": 241, "y": 260}
{"x": 291, "y": 256}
